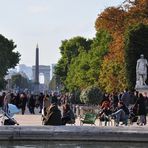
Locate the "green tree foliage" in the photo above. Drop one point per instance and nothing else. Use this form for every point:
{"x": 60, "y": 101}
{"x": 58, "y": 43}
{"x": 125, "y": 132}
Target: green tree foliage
{"x": 77, "y": 77}
{"x": 70, "y": 49}
{"x": 84, "y": 69}
{"x": 8, "y": 58}
{"x": 136, "y": 43}
{"x": 55, "y": 83}
{"x": 2, "y": 82}
{"x": 91, "y": 95}
{"x": 99, "y": 49}
{"x": 111, "y": 76}
{"x": 52, "y": 84}
{"x": 18, "y": 81}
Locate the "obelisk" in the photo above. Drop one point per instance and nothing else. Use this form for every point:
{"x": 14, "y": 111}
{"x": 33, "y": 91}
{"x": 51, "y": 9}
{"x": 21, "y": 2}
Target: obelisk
{"x": 36, "y": 81}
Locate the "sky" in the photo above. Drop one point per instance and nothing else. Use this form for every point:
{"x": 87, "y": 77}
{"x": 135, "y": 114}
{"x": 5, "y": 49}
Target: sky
{"x": 47, "y": 23}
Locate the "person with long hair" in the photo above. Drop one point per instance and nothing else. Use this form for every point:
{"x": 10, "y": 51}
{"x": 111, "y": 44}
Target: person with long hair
{"x": 53, "y": 116}
{"x": 68, "y": 114}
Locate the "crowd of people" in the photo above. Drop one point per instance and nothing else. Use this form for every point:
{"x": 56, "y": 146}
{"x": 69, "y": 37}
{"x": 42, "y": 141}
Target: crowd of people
{"x": 124, "y": 106}
{"x": 119, "y": 106}
{"x": 47, "y": 104}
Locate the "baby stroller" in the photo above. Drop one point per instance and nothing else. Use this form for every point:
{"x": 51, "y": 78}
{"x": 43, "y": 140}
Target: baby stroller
{"x": 7, "y": 116}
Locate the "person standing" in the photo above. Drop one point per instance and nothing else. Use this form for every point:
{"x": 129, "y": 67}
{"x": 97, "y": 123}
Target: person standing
{"x": 23, "y": 98}
{"x": 141, "y": 109}
{"x": 2, "y": 99}
{"x": 54, "y": 98}
{"x": 40, "y": 100}
{"x": 5, "y": 103}
{"x": 125, "y": 98}
{"x": 31, "y": 104}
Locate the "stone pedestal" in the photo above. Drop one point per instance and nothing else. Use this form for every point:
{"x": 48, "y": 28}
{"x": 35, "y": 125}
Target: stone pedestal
{"x": 142, "y": 89}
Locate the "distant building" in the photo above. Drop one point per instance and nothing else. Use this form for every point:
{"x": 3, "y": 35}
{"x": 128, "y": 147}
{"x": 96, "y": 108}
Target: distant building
{"x": 45, "y": 71}
{"x": 12, "y": 71}
{"x": 25, "y": 69}
{"x": 23, "y": 74}
{"x": 52, "y": 69}
{"x": 9, "y": 76}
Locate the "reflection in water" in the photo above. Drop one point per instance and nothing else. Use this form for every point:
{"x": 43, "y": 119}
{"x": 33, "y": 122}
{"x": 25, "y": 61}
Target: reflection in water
{"x": 76, "y": 144}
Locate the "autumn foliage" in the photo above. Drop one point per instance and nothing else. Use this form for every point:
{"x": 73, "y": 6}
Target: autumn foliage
{"x": 101, "y": 61}
{"x": 116, "y": 20}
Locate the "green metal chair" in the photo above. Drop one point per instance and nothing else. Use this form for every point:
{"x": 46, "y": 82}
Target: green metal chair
{"x": 89, "y": 118}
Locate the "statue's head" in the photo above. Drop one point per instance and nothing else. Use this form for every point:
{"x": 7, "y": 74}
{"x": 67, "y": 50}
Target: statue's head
{"x": 141, "y": 56}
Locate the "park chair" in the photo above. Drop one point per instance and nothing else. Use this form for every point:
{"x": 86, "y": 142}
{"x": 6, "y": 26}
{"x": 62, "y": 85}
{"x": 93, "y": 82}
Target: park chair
{"x": 89, "y": 118}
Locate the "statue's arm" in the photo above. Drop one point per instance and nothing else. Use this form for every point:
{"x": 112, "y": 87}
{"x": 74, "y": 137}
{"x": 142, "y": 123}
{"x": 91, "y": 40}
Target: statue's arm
{"x": 146, "y": 63}
{"x": 137, "y": 66}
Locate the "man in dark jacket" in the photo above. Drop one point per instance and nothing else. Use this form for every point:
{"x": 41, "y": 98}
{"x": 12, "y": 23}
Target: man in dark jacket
{"x": 141, "y": 108}
{"x": 121, "y": 114}
{"x": 125, "y": 98}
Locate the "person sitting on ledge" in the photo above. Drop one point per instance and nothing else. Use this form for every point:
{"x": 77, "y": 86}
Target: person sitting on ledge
{"x": 121, "y": 114}
{"x": 68, "y": 115}
{"x": 105, "y": 112}
{"x": 53, "y": 116}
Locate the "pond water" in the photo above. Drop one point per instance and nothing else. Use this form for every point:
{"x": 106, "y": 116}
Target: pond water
{"x": 62, "y": 144}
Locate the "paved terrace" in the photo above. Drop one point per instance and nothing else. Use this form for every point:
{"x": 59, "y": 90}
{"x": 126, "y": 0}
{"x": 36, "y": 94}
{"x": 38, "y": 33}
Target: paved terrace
{"x": 31, "y": 128}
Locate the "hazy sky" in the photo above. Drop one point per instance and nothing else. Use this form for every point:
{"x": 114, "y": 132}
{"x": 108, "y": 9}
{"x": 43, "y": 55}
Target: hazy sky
{"x": 48, "y": 22}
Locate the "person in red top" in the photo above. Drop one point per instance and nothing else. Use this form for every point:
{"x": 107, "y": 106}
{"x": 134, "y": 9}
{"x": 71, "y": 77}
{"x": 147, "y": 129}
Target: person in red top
{"x": 105, "y": 112}
{"x": 105, "y": 105}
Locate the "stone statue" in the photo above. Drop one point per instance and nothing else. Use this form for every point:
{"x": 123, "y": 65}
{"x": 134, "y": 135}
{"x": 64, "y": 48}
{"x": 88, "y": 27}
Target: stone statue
{"x": 141, "y": 71}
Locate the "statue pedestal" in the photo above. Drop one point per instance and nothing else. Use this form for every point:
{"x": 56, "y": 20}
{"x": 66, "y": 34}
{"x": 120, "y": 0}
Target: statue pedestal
{"x": 142, "y": 89}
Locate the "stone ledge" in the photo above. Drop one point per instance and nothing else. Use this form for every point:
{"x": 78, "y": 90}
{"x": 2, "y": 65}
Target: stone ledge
{"x": 74, "y": 133}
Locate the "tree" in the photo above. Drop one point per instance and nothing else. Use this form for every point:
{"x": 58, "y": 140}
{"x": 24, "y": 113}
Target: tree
{"x": 112, "y": 75}
{"x": 20, "y": 82}
{"x": 8, "y": 58}
{"x": 99, "y": 49}
{"x": 111, "y": 19}
{"x": 70, "y": 49}
{"x": 91, "y": 95}
{"x": 52, "y": 84}
{"x": 55, "y": 83}
{"x": 84, "y": 69}
{"x": 137, "y": 12}
{"x": 77, "y": 77}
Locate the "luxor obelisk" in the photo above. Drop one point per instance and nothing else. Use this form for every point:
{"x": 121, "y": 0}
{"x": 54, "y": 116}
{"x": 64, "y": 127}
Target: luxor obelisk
{"x": 36, "y": 80}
